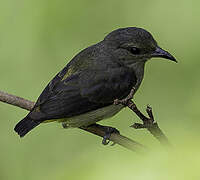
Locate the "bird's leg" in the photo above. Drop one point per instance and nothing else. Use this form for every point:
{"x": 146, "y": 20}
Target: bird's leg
{"x": 108, "y": 132}
{"x": 126, "y": 100}
{"x": 105, "y": 131}
{"x": 148, "y": 122}
{"x": 65, "y": 125}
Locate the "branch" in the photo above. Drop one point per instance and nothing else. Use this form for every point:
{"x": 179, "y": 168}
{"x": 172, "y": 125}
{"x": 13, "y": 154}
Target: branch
{"x": 148, "y": 122}
{"x": 115, "y": 138}
{"x": 16, "y": 101}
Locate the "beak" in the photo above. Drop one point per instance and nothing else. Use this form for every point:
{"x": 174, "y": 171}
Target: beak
{"x": 159, "y": 52}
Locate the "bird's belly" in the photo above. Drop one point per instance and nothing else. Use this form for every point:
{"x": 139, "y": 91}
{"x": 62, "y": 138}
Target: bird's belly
{"x": 92, "y": 116}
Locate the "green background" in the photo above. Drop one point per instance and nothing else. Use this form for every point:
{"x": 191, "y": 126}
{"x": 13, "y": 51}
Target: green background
{"x": 39, "y": 37}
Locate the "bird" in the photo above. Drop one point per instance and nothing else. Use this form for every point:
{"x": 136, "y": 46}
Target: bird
{"x": 83, "y": 92}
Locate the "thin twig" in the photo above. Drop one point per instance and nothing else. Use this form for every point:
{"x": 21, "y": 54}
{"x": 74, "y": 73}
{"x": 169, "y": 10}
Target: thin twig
{"x": 115, "y": 138}
{"x": 16, "y": 101}
{"x": 148, "y": 122}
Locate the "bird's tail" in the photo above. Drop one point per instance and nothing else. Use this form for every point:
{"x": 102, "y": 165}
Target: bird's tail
{"x": 25, "y": 125}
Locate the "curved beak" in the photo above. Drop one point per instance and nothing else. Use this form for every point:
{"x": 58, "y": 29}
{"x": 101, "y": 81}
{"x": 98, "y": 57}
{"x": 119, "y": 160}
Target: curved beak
{"x": 159, "y": 52}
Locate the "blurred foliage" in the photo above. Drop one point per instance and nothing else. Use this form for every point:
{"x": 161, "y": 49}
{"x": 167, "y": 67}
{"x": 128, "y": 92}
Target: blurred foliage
{"x": 37, "y": 39}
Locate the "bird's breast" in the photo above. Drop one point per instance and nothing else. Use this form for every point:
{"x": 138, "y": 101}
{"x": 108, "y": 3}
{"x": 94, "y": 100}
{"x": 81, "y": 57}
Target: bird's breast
{"x": 138, "y": 69}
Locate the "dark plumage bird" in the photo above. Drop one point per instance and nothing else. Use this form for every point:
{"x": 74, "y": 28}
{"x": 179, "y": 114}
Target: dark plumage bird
{"x": 84, "y": 91}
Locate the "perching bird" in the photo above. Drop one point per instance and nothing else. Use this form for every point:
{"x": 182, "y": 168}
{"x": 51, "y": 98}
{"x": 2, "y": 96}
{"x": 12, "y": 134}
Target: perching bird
{"x": 84, "y": 91}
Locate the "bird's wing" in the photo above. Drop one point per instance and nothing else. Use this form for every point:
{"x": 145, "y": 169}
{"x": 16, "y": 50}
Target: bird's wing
{"x": 70, "y": 94}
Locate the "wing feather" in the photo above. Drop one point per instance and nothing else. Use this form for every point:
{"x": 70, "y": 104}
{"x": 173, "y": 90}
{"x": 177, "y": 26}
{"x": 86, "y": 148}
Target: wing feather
{"x": 83, "y": 91}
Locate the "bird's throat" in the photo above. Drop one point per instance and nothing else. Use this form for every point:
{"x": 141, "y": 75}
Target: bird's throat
{"x": 138, "y": 68}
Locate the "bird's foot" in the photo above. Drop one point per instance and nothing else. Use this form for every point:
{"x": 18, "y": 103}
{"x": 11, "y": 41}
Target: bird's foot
{"x": 104, "y": 131}
{"x": 148, "y": 122}
{"x": 108, "y": 132}
{"x": 126, "y": 100}
{"x": 65, "y": 125}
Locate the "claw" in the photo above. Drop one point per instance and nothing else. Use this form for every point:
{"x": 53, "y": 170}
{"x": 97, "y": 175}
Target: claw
{"x": 106, "y": 138}
{"x": 65, "y": 125}
{"x": 125, "y": 100}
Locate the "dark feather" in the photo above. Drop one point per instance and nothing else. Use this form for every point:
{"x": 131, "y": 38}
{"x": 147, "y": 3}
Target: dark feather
{"x": 25, "y": 125}
{"x": 79, "y": 92}
{"x": 85, "y": 91}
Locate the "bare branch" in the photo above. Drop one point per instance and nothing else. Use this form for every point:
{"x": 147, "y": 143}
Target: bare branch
{"x": 16, "y": 101}
{"x": 148, "y": 122}
{"x": 116, "y": 138}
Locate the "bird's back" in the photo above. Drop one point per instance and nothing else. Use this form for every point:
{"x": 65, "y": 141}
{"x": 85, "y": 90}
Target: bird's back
{"x": 92, "y": 80}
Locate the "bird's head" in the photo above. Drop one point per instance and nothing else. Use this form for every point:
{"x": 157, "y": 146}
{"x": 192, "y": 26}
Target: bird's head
{"x": 135, "y": 45}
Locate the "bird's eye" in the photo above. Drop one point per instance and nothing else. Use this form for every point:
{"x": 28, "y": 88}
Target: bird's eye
{"x": 134, "y": 50}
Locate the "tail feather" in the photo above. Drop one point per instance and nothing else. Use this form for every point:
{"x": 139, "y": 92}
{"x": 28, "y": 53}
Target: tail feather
{"x": 25, "y": 125}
